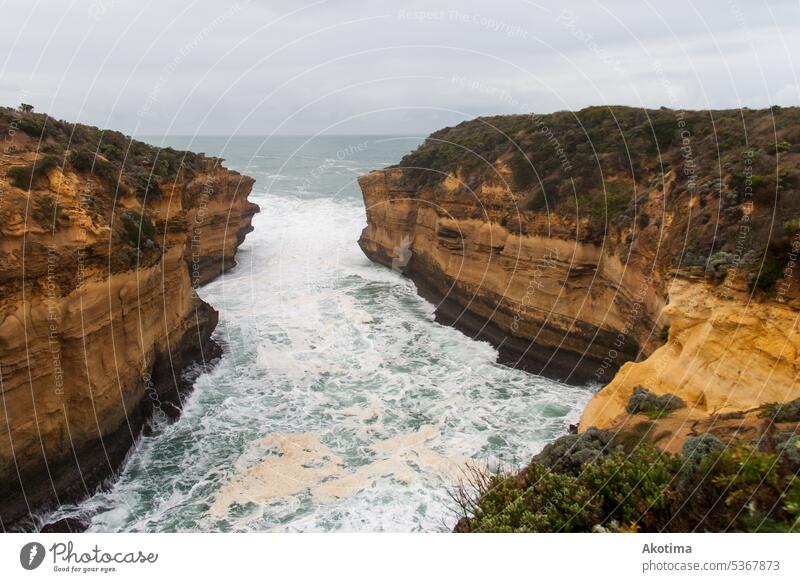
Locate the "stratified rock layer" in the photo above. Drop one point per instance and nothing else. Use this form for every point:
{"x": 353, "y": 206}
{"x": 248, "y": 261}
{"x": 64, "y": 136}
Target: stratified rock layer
{"x": 553, "y": 305}
{"x": 665, "y": 242}
{"x": 98, "y": 310}
{"x": 725, "y": 353}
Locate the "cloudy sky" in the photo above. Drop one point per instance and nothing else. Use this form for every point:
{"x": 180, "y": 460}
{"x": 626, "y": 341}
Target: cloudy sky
{"x": 373, "y": 66}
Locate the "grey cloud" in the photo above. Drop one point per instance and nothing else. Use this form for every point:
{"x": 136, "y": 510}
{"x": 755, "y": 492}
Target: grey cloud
{"x": 386, "y": 67}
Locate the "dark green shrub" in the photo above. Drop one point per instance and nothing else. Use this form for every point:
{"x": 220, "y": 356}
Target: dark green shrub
{"x": 138, "y": 229}
{"x": 717, "y": 266}
{"x": 570, "y": 453}
{"x": 602, "y": 205}
{"x": 771, "y": 268}
{"x": 709, "y": 487}
{"x": 522, "y": 171}
{"x": 145, "y": 185}
{"x": 538, "y": 500}
{"x": 787, "y": 443}
{"x": 782, "y": 412}
{"x": 697, "y": 448}
{"x": 664, "y": 131}
{"x": 33, "y": 127}
{"x": 82, "y": 160}
{"x": 751, "y": 485}
{"x": 112, "y": 152}
{"x": 630, "y": 487}
{"x": 646, "y": 402}
{"x": 24, "y": 177}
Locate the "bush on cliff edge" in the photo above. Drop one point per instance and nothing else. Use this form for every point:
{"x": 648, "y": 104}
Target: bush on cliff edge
{"x": 709, "y": 487}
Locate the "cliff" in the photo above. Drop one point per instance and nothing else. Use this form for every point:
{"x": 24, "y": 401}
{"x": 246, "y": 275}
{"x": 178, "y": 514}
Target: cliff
{"x": 628, "y": 247}
{"x": 103, "y": 241}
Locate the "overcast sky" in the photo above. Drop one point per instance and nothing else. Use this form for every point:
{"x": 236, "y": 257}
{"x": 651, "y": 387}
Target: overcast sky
{"x": 370, "y": 66}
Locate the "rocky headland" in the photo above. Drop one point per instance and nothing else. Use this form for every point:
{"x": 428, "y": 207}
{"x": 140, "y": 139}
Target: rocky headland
{"x": 651, "y": 252}
{"x": 103, "y": 242}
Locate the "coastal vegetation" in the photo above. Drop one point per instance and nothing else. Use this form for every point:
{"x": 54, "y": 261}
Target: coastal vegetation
{"x": 728, "y": 173}
{"x": 599, "y": 481}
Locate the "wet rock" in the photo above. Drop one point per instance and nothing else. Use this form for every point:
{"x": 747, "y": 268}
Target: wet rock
{"x": 65, "y": 525}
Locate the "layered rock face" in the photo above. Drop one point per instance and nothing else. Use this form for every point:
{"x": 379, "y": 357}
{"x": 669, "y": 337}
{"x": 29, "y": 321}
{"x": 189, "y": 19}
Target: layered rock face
{"x": 662, "y": 241}
{"x": 725, "y": 354}
{"x": 103, "y": 243}
{"x": 552, "y": 304}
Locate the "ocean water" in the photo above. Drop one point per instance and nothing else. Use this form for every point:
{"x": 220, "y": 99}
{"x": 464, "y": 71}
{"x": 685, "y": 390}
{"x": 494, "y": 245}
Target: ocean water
{"x": 339, "y": 404}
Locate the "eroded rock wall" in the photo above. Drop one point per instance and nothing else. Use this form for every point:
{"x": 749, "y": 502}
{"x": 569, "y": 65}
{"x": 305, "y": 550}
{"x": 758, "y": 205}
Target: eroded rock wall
{"x": 98, "y": 319}
{"x": 552, "y": 304}
{"x": 662, "y": 242}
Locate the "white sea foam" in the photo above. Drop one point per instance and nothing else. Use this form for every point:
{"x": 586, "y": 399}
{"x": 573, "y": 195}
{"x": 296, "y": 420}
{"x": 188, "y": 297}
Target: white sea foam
{"x": 339, "y": 403}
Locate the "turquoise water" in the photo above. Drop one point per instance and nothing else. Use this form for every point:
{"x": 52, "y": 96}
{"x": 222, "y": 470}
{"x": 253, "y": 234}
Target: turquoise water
{"x": 339, "y": 403}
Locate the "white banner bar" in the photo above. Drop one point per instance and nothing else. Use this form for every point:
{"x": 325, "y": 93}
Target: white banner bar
{"x": 402, "y": 557}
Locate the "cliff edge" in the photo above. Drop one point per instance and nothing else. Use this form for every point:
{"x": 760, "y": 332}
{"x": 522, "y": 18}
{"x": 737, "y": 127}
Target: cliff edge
{"x": 650, "y": 249}
{"x": 103, "y": 240}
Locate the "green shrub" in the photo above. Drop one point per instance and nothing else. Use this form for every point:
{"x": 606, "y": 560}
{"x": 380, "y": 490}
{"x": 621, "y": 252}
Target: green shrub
{"x": 770, "y": 270}
{"x": 664, "y": 130}
{"x": 604, "y": 204}
{"x": 85, "y": 160}
{"x": 782, "y": 411}
{"x": 717, "y": 266}
{"x": 537, "y": 501}
{"x": 757, "y": 489}
{"x": 139, "y": 230}
{"x": 24, "y": 177}
{"x": 82, "y": 160}
{"x": 33, "y": 127}
{"x": 630, "y": 487}
{"x": 522, "y": 171}
{"x": 112, "y": 152}
{"x": 647, "y": 402}
{"x": 709, "y": 487}
{"x": 99, "y": 151}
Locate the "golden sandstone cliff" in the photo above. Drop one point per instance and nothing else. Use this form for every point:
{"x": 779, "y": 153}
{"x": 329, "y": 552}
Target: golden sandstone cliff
{"x": 631, "y": 248}
{"x": 551, "y": 304}
{"x": 103, "y": 241}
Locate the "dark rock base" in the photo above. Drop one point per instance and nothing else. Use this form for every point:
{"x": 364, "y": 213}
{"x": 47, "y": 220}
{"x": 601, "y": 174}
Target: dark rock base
{"x": 25, "y": 500}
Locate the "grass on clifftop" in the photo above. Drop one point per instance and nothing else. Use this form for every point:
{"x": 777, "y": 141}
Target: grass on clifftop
{"x": 730, "y": 180}
{"x": 119, "y": 182}
{"x": 108, "y": 155}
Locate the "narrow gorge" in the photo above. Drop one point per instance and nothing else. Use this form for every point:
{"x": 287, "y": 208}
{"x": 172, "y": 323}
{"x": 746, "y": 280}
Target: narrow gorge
{"x": 103, "y": 240}
{"x": 629, "y": 276}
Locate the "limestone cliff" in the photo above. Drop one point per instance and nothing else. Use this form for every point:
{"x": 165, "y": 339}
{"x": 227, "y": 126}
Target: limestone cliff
{"x": 661, "y": 241}
{"x": 726, "y": 353}
{"x": 103, "y": 241}
{"x": 552, "y": 304}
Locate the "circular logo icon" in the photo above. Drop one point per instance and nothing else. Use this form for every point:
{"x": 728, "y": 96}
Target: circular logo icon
{"x": 31, "y": 555}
